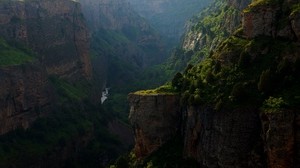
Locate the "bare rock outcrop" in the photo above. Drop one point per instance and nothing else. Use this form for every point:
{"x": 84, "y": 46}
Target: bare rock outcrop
{"x": 155, "y": 120}
{"x": 221, "y": 139}
{"x": 271, "y": 20}
{"x": 279, "y": 137}
{"x": 55, "y": 30}
{"x": 25, "y": 95}
{"x": 57, "y": 34}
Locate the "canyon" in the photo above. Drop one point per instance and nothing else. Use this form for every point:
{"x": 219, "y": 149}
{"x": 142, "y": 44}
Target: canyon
{"x": 231, "y": 114}
{"x": 229, "y": 95}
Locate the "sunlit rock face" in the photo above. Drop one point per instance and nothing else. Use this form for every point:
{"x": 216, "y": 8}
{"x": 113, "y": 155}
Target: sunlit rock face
{"x": 55, "y": 30}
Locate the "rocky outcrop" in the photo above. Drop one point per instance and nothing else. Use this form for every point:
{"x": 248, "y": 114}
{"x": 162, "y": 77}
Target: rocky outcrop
{"x": 155, "y": 120}
{"x": 213, "y": 25}
{"x": 55, "y": 30}
{"x": 272, "y": 21}
{"x": 240, "y": 105}
{"x": 25, "y": 95}
{"x": 56, "y": 33}
{"x": 279, "y": 137}
{"x": 221, "y": 139}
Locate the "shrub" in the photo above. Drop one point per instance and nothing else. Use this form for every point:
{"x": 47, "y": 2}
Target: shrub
{"x": 274, "y": 103}
{"x": 177, "y": 81}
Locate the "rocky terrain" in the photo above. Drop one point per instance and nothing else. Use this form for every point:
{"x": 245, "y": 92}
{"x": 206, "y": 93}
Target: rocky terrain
{"x": 239, "y": 106}
{"x": 49, "y": 90}
{"x": 55, "y": 35}
{"x": 55, "y": 30}
{"x": 154, "y": 119}
{"x": 25, "y": 96}
{"x": 129, "y": 33}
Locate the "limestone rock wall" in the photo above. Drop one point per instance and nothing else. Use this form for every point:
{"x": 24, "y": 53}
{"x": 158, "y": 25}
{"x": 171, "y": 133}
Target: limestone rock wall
{"x": 25, "y": 95}
{"x": 155, "y": 120}
{"x": 55, "y": 30}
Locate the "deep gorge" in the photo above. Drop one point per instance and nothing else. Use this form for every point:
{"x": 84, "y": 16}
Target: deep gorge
{"x": 209, "y": 84}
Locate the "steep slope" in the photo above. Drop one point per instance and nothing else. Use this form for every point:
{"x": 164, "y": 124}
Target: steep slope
{"x": 206, "y": 31}
{"x": 240, "y": 105}
{"x": 25, "y": 90}
{"x": 55, "y": 30}
{"x": 122, "y": 30}
{"x": 33, "y": 50}
{"x": 123, "y": 46}
{"x": 49, "y": 101}
{"x": 168, "y": 17}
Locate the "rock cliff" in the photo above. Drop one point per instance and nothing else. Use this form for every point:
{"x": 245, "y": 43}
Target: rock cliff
{"x": 55, "y": 30}
{"x": 25, "y": 95}
{"x": 239, "y": 106}
{"x": 116, "y": 24}
{"x": 214, "y": 24}
{"x": 155, "y": 120}
{"x": 206, "y": 30}
{"x": 54, "y": 35}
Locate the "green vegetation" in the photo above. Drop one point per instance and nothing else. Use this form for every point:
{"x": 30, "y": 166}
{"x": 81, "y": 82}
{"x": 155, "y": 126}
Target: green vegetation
{"x": 126, "y": 69}
{"x": 258, "y": 3}
{"x": 214, "y": 25}
{"x": 274, "y": 104}
{"x": 263, "y": 2}
{"x": 295, "y": 9}
{"x": 260, "y": 73}
{"x": 77, "y": 92}
{"x": 13, "y": 54}
{"x": 164, "y": 89}
{"x": 72, "y": 127}
{"x": 241, "y": 73}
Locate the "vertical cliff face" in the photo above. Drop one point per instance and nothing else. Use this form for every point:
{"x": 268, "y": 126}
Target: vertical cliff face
{"x": 53, "y": 36}
{"x": 207, "y": 30}
{"x": 155, "y": 120}
{"x": 113, "y": 15}
{"x": 25, "y": 95}
{"x": 214, "y": 24}
{"x": 117, "y": 25}
{"x": 240, "y": 105}
{"x": 279, "y": 137}
{"x": 54, "y": 29}
{"x": 223, "y": 139}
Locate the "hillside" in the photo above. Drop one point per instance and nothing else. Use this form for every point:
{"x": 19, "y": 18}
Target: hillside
{"x": 238, "y": 107}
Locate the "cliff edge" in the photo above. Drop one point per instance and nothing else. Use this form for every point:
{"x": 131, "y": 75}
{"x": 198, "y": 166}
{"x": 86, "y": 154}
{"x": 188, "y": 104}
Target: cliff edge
{"x": 240, "y": 105}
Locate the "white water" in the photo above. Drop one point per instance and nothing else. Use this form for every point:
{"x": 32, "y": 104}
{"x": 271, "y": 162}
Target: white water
{"x": 104, "y": 95}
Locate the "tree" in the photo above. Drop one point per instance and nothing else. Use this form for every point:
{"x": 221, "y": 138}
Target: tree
{"x": 177, "y": 81}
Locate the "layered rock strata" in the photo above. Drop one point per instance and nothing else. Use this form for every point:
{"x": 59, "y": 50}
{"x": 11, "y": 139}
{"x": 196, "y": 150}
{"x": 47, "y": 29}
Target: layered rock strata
{"x": 55, "y": 30}
{"x": 25, "y": 95}
{"x": 155, "y": 120}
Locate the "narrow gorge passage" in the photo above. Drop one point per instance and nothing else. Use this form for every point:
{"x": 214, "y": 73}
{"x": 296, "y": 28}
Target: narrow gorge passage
{"x": 149, "y": 83}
